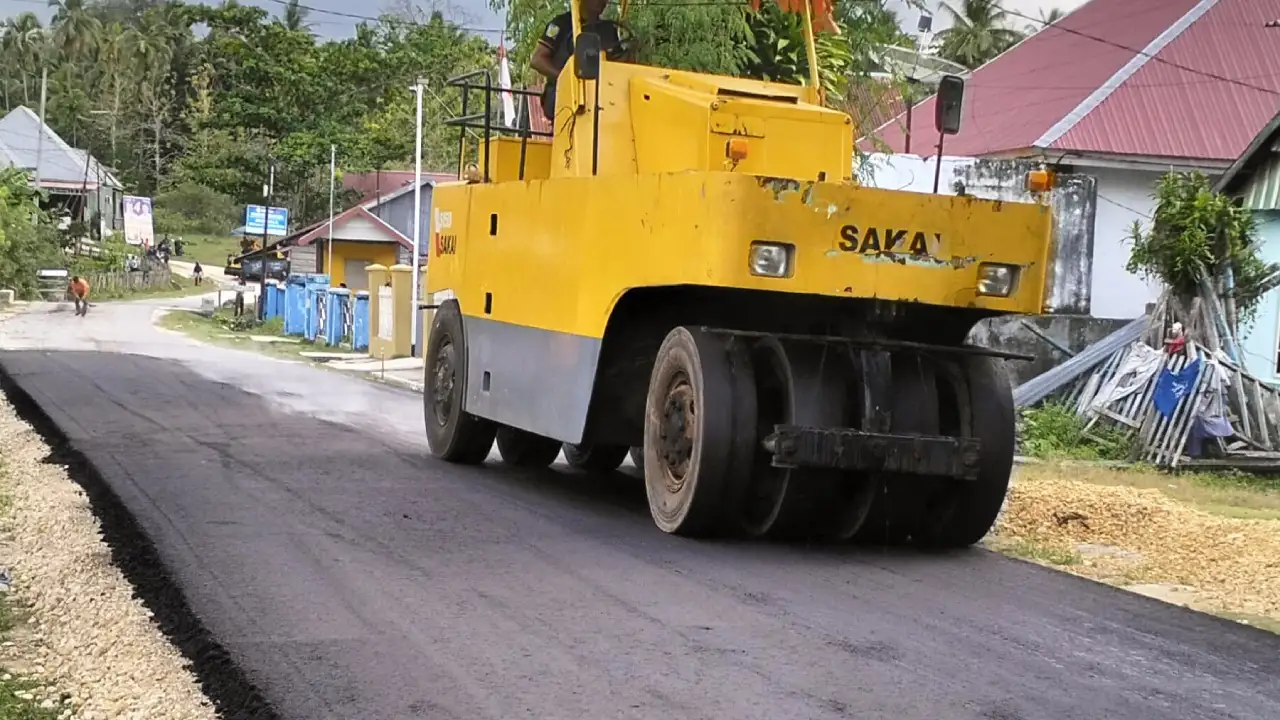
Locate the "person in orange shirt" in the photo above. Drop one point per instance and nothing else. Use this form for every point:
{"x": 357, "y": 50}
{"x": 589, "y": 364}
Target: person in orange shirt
{"x": 79, "y": 289}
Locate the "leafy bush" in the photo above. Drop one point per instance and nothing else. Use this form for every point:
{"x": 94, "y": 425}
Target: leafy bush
{"x": 28, "y": 241}
{"x": 1054, "y": 431}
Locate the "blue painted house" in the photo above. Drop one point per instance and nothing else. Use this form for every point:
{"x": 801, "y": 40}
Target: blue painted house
{"x": 1254, "y": 181}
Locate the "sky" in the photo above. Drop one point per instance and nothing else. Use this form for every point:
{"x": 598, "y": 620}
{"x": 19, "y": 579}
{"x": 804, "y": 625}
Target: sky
{"x": 331, "y": 18}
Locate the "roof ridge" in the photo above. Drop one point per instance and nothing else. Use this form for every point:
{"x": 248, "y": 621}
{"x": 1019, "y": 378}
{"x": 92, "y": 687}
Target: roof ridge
{"x": 1121, "y": 76}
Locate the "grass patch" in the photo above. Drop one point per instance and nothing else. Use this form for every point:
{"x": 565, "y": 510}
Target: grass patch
{"x": 227, "y": 330}
{"x": 210, "y": 250}
{"x": 1055, "y": 432}
{"x": 177, "y": 287}
{"x": 1232, "y": 495}
{"x": 17, "y": 701}
{"x": 1036, "y": 551}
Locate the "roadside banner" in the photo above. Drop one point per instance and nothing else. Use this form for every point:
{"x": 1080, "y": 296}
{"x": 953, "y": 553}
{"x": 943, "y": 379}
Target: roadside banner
{"x": 138, "y": 229}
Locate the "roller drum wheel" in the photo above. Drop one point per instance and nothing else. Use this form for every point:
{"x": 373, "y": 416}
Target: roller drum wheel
{"x": 595, "y": 459}
{"x": 453, "y": 434}
{"x": 699, "y": 431}
{"x": 802, "y": 384}
{"x": 521, "y": 448}
{"x": 913, "y": 409}
{"x": 959, "y": 514}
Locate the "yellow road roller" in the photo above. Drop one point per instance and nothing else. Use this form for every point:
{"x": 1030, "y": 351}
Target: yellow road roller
{"x": 686, "y": 264}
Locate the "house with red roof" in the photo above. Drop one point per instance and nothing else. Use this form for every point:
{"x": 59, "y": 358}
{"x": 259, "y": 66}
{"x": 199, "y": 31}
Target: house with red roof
{"x": 1124, "y": 90}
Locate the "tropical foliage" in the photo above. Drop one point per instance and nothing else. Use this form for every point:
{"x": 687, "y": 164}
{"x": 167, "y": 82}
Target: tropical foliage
{"x": 980, "y": 30}
{"x": 1199, "y": 233}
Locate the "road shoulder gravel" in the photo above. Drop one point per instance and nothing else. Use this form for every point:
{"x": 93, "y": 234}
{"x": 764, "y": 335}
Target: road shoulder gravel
{"x": 90, "y": 637}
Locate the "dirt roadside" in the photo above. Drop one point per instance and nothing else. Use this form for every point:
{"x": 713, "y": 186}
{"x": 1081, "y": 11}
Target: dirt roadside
{"x": 88, "y": 646}
{"x": 1211, "y": 543}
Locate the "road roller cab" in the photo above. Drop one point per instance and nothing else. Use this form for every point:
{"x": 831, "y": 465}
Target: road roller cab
{"x": 686, "y": 266}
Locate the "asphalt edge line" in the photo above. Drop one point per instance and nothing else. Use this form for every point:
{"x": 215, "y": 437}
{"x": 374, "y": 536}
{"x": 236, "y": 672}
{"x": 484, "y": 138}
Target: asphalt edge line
{"x": 232, "y": 694}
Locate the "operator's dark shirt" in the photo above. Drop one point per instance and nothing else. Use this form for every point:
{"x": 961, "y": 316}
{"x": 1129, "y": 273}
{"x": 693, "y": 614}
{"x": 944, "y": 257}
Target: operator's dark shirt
{"x": 558, "y": 37}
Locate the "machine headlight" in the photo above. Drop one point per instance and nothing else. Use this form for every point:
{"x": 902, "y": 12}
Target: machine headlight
{"x": 997, "y": 280}
{"x": 770, "y": 259}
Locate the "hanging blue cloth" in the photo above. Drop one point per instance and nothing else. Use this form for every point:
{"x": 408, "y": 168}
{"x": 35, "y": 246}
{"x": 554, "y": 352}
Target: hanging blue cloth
{"x": 1171, "y": 387}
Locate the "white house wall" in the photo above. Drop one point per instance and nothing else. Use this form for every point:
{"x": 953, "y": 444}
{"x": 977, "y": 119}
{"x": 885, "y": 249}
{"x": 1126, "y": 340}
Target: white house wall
{"x": 1123, "y": 197}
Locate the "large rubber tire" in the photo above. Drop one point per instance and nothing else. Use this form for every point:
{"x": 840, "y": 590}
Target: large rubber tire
{"x": 453, "y": 434}
{"x": 699, "y": 432}
{"x": 962, "y": 512}
{"x": 522, "y": 448}
{"x": 595, "y": 459}
{"x": 899, "y": 497}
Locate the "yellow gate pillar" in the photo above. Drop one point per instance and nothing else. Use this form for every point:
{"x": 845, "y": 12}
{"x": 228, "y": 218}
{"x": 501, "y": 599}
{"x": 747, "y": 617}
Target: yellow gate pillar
{"x": 403, "y": 310}
{"x": 380, "y": 306}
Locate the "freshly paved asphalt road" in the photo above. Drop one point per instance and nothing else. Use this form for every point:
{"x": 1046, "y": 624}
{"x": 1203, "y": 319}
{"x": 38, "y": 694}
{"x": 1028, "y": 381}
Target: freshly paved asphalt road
{"x": 353, "y": 577}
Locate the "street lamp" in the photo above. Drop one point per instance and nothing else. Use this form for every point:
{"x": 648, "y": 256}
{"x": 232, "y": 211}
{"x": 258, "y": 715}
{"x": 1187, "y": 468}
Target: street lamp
{"x": 417, "y": 217}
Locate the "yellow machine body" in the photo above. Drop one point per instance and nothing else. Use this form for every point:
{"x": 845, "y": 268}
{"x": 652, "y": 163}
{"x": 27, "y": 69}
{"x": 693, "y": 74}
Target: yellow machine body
{"x": 689, "y": 171}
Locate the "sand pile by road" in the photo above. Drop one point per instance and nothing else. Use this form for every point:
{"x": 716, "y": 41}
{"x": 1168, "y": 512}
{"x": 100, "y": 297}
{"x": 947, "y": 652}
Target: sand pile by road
{"x": 88, "y": 640}
{"x": 1234, "y": 565}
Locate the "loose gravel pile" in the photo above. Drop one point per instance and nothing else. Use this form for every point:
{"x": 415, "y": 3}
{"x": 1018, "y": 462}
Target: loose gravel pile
{"x": 93, "y": 643}
{"x": 1234, "y": 565}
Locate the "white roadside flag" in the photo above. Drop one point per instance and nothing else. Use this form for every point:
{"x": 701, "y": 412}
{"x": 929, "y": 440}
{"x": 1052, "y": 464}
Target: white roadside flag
{"x": 504, "y": 82}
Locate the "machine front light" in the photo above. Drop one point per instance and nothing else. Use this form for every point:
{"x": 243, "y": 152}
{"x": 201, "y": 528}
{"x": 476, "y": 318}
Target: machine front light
{"x": 997, "y": 280}
{"x": 770, "y": 259}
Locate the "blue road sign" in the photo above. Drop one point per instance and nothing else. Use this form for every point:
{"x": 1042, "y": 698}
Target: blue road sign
{"x": 277, "y": 220}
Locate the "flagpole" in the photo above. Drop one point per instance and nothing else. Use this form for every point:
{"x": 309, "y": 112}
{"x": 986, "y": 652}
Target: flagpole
{"x": 333, "y": 172}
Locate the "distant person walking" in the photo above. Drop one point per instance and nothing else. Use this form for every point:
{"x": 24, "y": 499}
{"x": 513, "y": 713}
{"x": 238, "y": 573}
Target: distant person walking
{"x": 240, "y": 288}
{"x": 197, "y": 273}
{"x": 79, "y": 290}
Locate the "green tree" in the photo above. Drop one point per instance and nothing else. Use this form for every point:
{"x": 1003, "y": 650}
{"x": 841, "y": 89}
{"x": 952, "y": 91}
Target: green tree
{"x": 1197, "y": 233}
{"x": 26, "y": 242}
{"x": 979, "y": 31}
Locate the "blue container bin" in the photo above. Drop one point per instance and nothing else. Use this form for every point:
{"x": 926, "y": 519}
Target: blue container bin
{"x": 360, "y": 322}
{"x": 295, "y": 305}
{"x": 337, "y": 299}
{"x": 269, "y": 299}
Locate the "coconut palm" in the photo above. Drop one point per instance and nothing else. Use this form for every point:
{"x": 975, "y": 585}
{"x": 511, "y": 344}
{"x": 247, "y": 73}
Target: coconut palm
{"x": 1046, "y": 19}
{"x": 295, "y": 17}
{"x": 76, "y": 30}
{"x": 979, "y": 31}
{"x": 24, "y": 45}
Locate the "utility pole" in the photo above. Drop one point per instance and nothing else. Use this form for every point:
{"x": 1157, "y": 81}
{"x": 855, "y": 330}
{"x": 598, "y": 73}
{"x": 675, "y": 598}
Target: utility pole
{"x": 417, "y": 222}
{"x": 44, "y": 87}
{"x": 268, "y": 189}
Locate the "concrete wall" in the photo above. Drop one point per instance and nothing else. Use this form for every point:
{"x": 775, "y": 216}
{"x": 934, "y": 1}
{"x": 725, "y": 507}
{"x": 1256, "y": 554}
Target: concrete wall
{"x": 1123, "y": 197}
{"x": 1074, "y": 332}
{"x": 1260, "y": 341}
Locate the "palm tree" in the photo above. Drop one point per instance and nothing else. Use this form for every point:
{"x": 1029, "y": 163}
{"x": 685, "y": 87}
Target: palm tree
{"x": 76, "y": 30}
{"x": 24, "y": 47}
{"x": 979, "y": 31}
{"x": 295, "y": 17}
{"x": 1046, "y": 19}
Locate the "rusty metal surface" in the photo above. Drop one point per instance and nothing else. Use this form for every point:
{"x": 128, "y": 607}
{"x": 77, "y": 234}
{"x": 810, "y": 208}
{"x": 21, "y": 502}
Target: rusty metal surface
{"x": 850, "y": 449}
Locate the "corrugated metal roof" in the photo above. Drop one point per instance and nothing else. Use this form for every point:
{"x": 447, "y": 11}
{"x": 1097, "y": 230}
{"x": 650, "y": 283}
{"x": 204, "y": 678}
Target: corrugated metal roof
{"x": 1204, "y": 96}
{"x": 1126, "y": 77}
{"x": 20, "y": 134}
